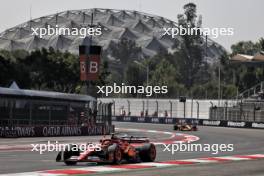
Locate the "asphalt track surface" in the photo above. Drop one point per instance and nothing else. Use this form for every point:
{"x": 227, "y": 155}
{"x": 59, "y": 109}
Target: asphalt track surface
{"x": 245, "y": 141}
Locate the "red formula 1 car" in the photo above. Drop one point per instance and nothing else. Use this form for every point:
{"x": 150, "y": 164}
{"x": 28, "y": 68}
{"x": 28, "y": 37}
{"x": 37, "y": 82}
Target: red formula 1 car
{"x": 114, "y": 150}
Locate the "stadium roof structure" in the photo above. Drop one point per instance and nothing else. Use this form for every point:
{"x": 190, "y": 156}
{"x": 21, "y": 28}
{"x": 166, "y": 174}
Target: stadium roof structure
{"x": 257, "y": 58}
{"x": 143, "y": 28}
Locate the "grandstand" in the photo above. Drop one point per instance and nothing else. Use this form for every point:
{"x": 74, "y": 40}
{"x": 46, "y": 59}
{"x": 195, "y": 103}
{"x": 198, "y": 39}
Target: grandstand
{"x": 249, "y": 107}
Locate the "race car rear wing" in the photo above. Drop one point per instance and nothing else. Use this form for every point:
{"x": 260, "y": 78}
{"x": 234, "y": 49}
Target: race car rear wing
{"x": 135, "y": 139}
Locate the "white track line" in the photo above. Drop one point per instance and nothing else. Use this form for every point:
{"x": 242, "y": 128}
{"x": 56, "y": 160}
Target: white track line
{"x": 101, "y": 169}
{"x": 127, "y": 167}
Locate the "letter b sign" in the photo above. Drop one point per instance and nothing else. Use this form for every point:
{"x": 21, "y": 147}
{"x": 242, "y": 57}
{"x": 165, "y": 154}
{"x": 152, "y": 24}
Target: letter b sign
{"x": 93, "y": 67}
{"x": 89, "y": 62}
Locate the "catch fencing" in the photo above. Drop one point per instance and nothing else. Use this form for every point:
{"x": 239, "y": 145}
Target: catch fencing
{"x": 193, "y": 108}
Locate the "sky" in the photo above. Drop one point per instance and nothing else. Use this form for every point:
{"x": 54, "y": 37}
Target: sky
{"x": 246, "y": 17}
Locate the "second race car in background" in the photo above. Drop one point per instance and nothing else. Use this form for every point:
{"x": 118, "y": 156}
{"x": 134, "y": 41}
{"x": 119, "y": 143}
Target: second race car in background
{"x": 186, "y": 125}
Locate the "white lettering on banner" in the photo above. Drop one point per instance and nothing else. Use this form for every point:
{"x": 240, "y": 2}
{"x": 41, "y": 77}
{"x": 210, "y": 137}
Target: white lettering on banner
{"x": 236, "y": 124}
{"x": 155, "y": 120}
{"x": 71, "y": 131}
{"x": 141, "y": 119}
{"x": 92, "y": 130}
{"x": 168, "y": 120}
{"x": 213, "y": 123}
{"x": 257, "y": 125}
{"x": 93, "y": 67}
{"x": 51, "y": 131}
{"x": 127, "y": 119}
{"x": 54, "y": 131}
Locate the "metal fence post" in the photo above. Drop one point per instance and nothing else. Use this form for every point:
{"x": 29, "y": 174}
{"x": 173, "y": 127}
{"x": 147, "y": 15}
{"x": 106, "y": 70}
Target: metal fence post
{"x": 192, "y": 108}
{"x": 184, "y": 109}
{"x": 176, "y": 109}
{"x": 30, "y": 112}
{"x": 143, "y": 102}
{"x": 114, "y": 107}
{"x": 128, "y": 108}
{"x": 157, "y": 108}
{"x": 254, "y": 113}
{"x": 197, "y": 109}
{"x": 241, "y": 110}
{"x": 170, "y": 108}
{"x": 225, "y": 111}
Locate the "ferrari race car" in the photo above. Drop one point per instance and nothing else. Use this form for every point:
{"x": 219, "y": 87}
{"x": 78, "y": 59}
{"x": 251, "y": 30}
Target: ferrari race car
{"x": 185, "y": 126}
{"x": 114, "y": 150}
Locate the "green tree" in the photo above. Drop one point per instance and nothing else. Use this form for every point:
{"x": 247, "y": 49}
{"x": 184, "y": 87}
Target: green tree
{"x": 165, "y": 74}
{"x": 12, "y": 68}
{"x": 189, "y": 57}
{"x": 7, "y": 67}
{"x": 244, "y": 47}
{"x": 261, "y": 44}
{"x": 246, "y": 75}
{"x": 229, "y": 91}
{"x": 134, "y": 76}
{"x": 125, "y": 51}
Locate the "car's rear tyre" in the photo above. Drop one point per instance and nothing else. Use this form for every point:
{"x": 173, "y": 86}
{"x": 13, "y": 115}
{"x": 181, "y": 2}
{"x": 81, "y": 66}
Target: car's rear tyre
{"x": 194, "y": 129}
{"x": 148, "y": 153}
{"x": 68, "y": 153}
{"x": 175, "y": 127}
{"x": 115, "y": 155}
{"x": 118, "y": 156}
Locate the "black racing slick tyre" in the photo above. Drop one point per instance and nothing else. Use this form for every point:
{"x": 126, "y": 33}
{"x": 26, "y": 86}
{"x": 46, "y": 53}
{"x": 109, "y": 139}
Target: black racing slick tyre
{"x": 68, "y": 153}
{"x": 175, "y": 127}
{"x": 148, "y": 153}
{"x": 118, "y": 156}
{"x": 115, "y": 155}
{"x": 194, "y": 128}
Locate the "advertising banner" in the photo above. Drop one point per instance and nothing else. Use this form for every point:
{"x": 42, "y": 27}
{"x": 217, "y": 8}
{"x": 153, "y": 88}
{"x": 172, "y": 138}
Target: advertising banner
{"x": 45, "y": 131}
{"x": 202, "y": 122}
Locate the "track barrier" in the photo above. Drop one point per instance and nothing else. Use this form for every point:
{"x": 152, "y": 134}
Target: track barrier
{"x": 202, "y": 122}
